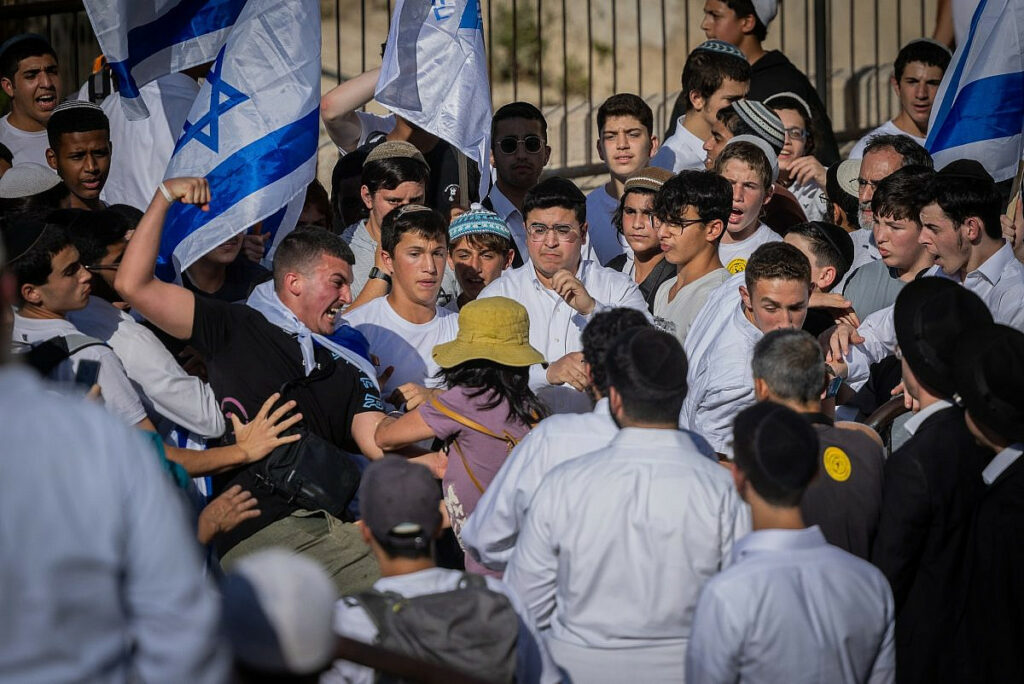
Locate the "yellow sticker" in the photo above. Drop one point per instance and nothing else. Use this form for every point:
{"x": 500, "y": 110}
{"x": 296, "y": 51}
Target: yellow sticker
{"x": 837, "y": 464}
{"x": 736, "y": 266}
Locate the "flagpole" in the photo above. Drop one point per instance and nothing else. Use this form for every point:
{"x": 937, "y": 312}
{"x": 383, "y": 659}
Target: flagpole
{"x": 1011, "y": 207}
{"x": 463, "y": 179}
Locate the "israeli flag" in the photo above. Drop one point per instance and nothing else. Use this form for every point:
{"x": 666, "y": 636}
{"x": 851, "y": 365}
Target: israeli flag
{"x": 979, "y": 111}
{"x": 145, "y": 39}
{"x": 434, "y": 74}
{"x": 252, "y": 132}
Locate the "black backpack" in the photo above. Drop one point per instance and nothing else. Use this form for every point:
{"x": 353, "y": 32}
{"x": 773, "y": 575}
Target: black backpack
{"x": 471, "y": 628}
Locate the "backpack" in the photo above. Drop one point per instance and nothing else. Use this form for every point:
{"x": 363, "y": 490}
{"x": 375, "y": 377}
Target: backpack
{"x": 509, "y": 440}
{"x": 470, "y": 628}
{"x": 48, "y": 354}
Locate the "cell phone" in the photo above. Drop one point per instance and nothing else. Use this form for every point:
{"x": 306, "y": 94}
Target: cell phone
{"x": 87, "y": 374}
{"x": 833, "y": 387}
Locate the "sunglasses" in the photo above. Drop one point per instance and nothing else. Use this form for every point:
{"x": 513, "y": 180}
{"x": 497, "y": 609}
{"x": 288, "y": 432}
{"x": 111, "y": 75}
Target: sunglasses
{"x": 509, "y": 145}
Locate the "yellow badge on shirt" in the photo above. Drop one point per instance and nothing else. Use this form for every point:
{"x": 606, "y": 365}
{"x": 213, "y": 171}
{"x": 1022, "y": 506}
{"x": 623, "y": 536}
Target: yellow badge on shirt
{"x": 837, "y": 464}
{"x": 736, "y": 266}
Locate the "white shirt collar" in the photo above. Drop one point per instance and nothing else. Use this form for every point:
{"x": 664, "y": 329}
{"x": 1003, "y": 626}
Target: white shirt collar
{"x": 774, "y": 540}
{"x": 503, "y": 207}
{"x": 915, "y": 421}
{"x": 1003, "y": 460}
{"x": 993, "y": 267}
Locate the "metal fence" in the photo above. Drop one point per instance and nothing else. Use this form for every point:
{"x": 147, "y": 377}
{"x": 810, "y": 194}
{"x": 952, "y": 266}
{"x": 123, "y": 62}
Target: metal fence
{"x": 567, "y": 56}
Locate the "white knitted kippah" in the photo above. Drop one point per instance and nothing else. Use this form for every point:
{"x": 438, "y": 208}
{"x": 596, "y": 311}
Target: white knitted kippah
{"x": 27, "y": 179}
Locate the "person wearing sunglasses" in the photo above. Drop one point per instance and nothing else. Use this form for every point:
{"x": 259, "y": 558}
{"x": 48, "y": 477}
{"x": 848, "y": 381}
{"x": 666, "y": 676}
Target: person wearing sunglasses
{"x": 519, "y": 153}
{"x": 561, "y": 291}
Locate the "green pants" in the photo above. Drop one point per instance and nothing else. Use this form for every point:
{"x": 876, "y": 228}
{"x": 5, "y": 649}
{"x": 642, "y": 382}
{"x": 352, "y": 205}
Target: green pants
{"x": 338, "y": 547}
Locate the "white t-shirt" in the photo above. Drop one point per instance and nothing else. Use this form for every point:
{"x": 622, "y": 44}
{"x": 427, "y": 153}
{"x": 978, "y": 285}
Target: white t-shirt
{"x": 734, "y": 255}
{"x": 405, "y": 346}
{"x": 119, "y": 396}
{"x": 688, "y": 302}
{"x": 25, "y": 146}
{"x": 603, "y": 242}
{"x": 888, "y": 128}
{"x": 141, "y": 149}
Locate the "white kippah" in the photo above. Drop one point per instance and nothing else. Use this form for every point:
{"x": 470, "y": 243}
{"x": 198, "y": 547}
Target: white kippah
{"x": 77, "y": 104}
{"x": 762, "y": 144}
{"x": 766, "y": 10}
{"x": 802, "y": 101}
{"x": 27, "y": 179}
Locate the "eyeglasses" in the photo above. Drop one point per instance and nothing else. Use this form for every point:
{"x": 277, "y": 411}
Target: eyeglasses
{"x": 532, "y": 143}
{"x": 564, "y": 232}
{"x": 677, "y": 227}
{"x": 93, "y": 268}
{"x": 863, "y": 183}
{"x": 798, "y": 134}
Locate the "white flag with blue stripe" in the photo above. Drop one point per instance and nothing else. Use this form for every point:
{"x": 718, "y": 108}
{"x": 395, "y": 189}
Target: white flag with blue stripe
{"x": 979, "y": 108}
{"x": 434, "y": 74}
{"x": 146, "y": 39}
{"x": 252, "y": 132}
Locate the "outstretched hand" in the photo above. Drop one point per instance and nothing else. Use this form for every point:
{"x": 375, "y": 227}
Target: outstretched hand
{"x": 261, "y": 435}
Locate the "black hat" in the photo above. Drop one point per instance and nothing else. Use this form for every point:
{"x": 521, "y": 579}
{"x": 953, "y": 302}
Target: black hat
{"x": 989, "y": 378}
{"x": 968, "y": 169}
{"x": 784, "y": 444}
{"x": 649, "y": 357}
{"x": 930, "y": 315}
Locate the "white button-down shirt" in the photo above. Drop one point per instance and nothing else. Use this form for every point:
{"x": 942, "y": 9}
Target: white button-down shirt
{"x": 999, "y": 282}
{"x": 101, "y": 580}
{"x": 792, "y": 608}
{"x": 179, "y": 397}
{"x": 513, "y": 218}
{"x": 615, "y": 549}
{"x": 555, "y": 327}
{"x": 915, "y": 421}
{"x": 721, "y": 383}
{"x": 680, "y": 151}
{"x": 1003, "y": 460}
{"x": 491, "y": 531}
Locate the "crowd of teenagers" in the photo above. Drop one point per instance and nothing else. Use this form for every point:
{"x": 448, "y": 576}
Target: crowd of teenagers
{"x": 746, "y": 412}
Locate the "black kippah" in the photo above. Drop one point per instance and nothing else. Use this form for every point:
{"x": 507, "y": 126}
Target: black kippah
{"x": 785, "y": 447}
{"x": 21, "y": 236}
{"x": 658, "y": 360}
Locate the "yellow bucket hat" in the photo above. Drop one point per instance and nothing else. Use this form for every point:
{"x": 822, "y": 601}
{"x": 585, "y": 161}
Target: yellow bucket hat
{"x": 493, "y": 329}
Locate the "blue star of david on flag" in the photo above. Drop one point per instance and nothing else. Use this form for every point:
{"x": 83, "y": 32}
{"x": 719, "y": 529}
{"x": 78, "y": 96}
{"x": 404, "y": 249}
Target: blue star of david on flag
{"x": 211, "y": 120}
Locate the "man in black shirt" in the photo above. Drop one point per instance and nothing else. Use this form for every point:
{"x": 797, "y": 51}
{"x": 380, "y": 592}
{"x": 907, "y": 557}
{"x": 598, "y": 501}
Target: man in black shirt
{"x": 846, "y": 497}
{"x": 744, "y": 23}
{"x": 286, "y": 334}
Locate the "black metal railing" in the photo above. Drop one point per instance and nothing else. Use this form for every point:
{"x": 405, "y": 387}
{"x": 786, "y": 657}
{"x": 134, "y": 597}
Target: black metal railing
{"x": 565, "y": 56}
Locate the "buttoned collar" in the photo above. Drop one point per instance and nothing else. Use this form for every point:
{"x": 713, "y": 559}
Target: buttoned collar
{"x": 503, "y": 206}
{"x": 774, "y": 540}
{"x": 992, "y": 269}
{"x": 684, "y": 138}
{"x": 924, "y": 414}
{"x": 1003, "y": 460}
{"x": 743, "y": 324}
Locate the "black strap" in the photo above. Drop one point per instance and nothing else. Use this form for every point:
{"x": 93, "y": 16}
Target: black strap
{"x": 47, "y": 355}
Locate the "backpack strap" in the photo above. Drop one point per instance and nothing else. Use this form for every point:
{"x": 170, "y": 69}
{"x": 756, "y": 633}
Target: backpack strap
{"x": 49, "y": 354}
{"x": 377, "y": 605}
{"x": 476, "y": 427}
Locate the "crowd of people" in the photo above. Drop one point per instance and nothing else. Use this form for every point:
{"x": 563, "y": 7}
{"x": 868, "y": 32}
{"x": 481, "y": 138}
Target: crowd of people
{"x": 746, "y": 412}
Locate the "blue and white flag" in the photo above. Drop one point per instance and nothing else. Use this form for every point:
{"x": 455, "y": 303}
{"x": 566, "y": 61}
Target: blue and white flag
{"x": 434, "y": 74}
{"x": 252, "y": 132}
{"x": 979, "y": 108}
{"x": 145, "y": 39}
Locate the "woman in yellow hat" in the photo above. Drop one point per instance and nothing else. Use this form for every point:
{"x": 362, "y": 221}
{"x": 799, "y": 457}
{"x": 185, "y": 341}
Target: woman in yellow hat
{"x": 487, "y": 408}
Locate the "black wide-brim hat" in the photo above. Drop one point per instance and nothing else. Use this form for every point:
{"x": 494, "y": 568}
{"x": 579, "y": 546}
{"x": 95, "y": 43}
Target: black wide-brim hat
{"x": 930, "y": 316}
{"x": 989, "y": 378}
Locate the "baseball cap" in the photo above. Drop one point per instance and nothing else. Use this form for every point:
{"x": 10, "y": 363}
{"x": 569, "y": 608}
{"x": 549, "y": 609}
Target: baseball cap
{"x": 400, "y": 504}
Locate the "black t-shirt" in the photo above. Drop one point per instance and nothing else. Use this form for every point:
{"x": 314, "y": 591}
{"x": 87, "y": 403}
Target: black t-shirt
{"x": 773, "y": 74}
{"x": 241, "y": 277}
{"x": 649, "y": 288}
{"x": 248, "y": 359}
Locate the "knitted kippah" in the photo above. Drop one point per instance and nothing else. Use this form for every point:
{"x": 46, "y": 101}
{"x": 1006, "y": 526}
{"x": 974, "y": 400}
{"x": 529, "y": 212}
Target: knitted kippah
{"x": 390, "y": 149}
{"x": 794, "y": 96}
{"x": 764, "y": 121}
{"x": 761, "y": 144}
{"x": 27, "y": 179}
{"x": 649, "y": 178}
{"x": 478, "y": 220}
{"x": 721, "y": 47}
{"x": 79, "y": 105}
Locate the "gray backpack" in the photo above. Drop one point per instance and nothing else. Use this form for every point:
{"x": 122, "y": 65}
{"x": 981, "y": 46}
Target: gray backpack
{"x": 471, "y": 628}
